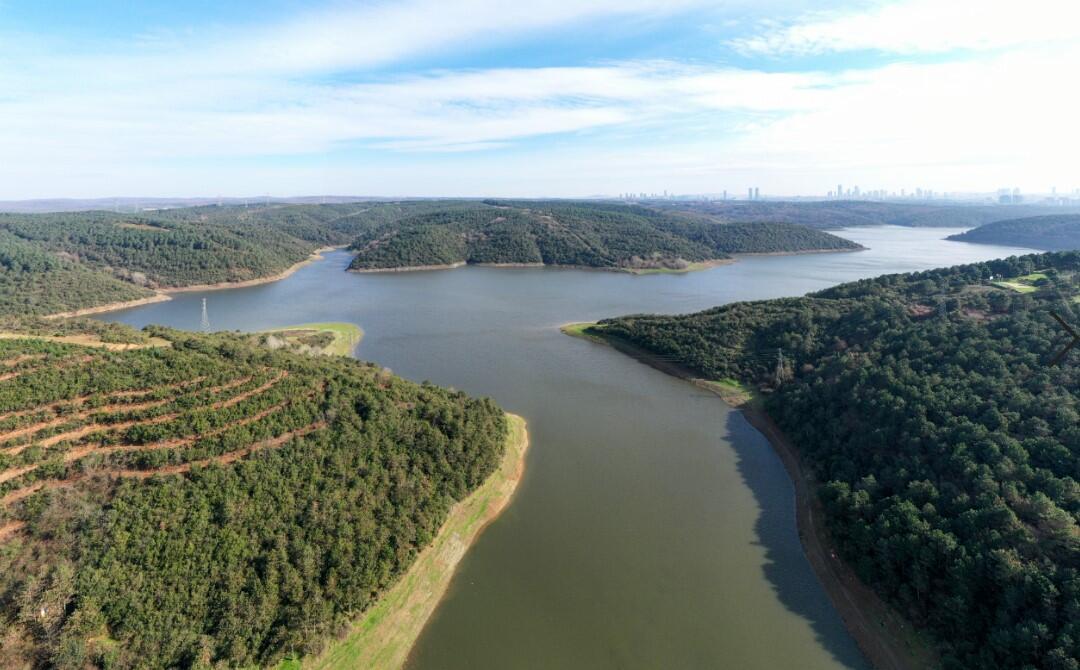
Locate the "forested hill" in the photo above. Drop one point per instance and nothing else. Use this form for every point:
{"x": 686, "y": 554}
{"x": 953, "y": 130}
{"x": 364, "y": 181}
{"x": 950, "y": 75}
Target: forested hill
{"x": 573, "y": 233}
{"x": 1051, "y": 233}
{"x": 947, "y": 447}
{"x": 61, "y": 262}
{"x": 206, "y": 502}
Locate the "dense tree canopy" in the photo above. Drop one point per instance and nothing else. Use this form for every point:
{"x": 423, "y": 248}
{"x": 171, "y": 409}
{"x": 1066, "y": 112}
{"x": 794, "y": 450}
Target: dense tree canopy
{"x": 948, "y": 449}
{"x": 573, "y": 233}
{"x": 214, "y": 502}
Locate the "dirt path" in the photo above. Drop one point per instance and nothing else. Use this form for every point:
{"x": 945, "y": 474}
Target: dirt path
{"x": 21, "y": 359}
{"x": 224, "y": 459}
{"x": 62, "y": 364}
{"x": 8, "y": 475}
{"x": 10, "y": 528}
{"x": 232, "y": 456}
{"x": 86, "y": 430}
{"x": 81, "y": 400}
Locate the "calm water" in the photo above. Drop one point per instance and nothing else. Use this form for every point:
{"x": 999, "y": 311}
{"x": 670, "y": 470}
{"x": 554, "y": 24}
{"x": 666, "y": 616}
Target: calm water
{"x": 654, "y": 528}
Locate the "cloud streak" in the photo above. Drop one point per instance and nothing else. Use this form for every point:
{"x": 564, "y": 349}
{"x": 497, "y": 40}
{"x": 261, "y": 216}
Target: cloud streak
{"x": 186, "y": 113}
{"x": 922, "y": 27}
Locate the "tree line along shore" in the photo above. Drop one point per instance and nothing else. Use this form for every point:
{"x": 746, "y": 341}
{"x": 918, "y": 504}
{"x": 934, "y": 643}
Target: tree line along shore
{"x": 942, "y": 446}
{"x": 215, "y": 499}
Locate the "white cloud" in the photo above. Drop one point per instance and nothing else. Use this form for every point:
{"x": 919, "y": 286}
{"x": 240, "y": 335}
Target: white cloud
{"x": 164, "y": 120}
{"x": 923, "y": 26}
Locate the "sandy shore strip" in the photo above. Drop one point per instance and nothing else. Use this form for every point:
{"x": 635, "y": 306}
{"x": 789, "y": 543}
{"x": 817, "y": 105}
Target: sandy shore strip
{"x": 163, "y": 294}
{"x": 887, "y": 640}
{"x": 409, "y": 268}
{"x": 316, "y": 255}
{"x": 383, "y": 637}
{"x": 110, "y": 307}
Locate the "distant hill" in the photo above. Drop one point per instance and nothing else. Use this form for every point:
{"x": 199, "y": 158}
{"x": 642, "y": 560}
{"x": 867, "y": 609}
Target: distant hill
{"x": 1049, "y": 233}
{"x": 589, "y": 234}
{"x": 848, "y": 213}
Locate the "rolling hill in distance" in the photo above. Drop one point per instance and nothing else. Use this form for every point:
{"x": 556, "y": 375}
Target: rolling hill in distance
{"x": 64, "y": 262}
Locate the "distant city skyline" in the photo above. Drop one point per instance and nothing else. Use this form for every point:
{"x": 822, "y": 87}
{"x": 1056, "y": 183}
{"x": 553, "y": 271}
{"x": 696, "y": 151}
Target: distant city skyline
{"x": 555, "y": 98}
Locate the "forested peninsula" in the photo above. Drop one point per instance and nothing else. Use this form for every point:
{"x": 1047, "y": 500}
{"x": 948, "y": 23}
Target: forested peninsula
{"x": 1049, "y": 233}
{"x": 945, "y": 445}
{"x": 582, "y": 234}
{"x": 170, "y": 499}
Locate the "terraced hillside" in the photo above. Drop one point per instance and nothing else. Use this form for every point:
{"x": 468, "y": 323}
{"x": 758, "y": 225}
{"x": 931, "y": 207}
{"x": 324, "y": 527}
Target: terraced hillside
{"x": 211, "y": 501}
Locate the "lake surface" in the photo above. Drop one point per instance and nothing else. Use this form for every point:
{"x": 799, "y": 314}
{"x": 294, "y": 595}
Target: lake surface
{"x": 654, "y": 528}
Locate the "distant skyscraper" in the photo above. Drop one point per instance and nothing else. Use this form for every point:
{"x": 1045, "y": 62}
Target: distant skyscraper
{"x": 757, "y": 193}
{"x": 750, "y": 193}
{"x": 839, "y": 190}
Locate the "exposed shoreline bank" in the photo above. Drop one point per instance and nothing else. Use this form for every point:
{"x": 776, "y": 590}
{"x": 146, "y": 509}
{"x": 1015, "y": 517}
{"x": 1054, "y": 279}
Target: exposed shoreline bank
{"x": 165, "y": 294}
{"x": 885, "y": 638}
{"x": 109, "y": 307}
{"x": 316, "y": 255}
{"x": 702, "y": 265}
{"x": 692, "y": 266}
{"x": 384, "y": 636}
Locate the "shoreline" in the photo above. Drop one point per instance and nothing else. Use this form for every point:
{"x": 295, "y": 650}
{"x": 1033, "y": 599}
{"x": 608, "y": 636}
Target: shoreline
{"x": 383, "y": 637}
{"x": 109, "y": 307}
{"x": 692, "y": 266}
{"x": 165, "y": 294}
{"x": 750, "y": 254}
{"x": 884, "y": 637}
{"x": 316, "y": 255}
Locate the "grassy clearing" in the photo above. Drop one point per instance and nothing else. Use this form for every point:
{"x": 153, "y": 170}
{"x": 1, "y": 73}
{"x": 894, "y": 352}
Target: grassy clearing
{"x": 689, "y": 267}
{"x": 732, "y": 391}
{"x": 88, "y": 341}
{"x": 381, "y": 640}
{"x": 346, "y": 336}
{"x": 1015, "y": 286}
{"x": 584, "y": 330}
{"x": 1023, "y": 284}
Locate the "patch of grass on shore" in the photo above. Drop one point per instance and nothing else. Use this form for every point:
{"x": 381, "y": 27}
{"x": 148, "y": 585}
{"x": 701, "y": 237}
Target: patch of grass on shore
{"x": 732, "y": 391}
{"x": 1023, "y": 284}
{"x": 588, "y": 330}
{"x": 383, "y": 637}
{"x": 346, "y": 336}
{"x": 689, "y": 267}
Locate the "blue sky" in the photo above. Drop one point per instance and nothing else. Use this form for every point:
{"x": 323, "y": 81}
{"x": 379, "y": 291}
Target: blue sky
{"x": 545, "y": 98}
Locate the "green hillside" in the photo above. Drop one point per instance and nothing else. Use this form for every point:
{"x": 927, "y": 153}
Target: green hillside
{"x": 573, "y": 233}
{"x": 204, "y": 501}
{"x": 948, "y": 450}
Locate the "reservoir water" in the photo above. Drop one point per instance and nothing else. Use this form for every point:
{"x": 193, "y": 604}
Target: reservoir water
{"x": 654, "y": 528}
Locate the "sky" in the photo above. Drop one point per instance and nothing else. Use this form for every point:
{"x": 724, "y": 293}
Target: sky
{"x": 563, "y": 98}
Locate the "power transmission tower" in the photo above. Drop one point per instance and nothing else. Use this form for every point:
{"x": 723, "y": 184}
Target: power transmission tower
{"x": 779, "y": 367}
{"x": 205, "y": 318}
